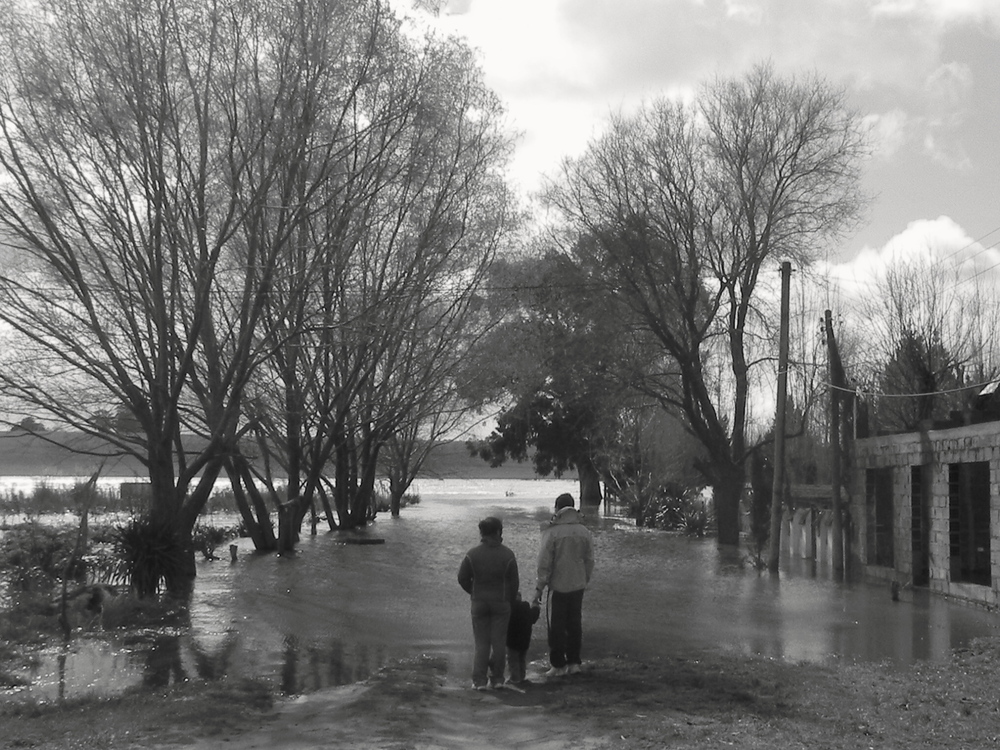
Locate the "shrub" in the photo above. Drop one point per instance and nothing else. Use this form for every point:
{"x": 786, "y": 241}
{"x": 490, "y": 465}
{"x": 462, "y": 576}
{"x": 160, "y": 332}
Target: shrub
{"x": 146, "y": 554}
{"x": 382, "y": 501}
{"x": 34, "y": 556}
{"x": 222, "y": 501}
{"x": 696, "y": 517}
{"x": 686, "y": 512}
{"x": 206, "y": 538}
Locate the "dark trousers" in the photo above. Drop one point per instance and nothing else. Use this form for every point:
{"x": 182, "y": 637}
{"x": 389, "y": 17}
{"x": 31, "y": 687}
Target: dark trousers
{"x": 489, "y": 630}
{"x": 566, "y": 628}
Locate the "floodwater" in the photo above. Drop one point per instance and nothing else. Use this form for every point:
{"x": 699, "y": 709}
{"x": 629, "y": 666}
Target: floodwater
{"x": 334, "y": 613}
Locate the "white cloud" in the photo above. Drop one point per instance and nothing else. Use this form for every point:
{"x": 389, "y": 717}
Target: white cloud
{"x": 525, "y": 45}
{"x": 889, "y": 132}
{"x": 950, "y": 84}
{"x": 748, "y": 11}
{"x": 949, "y": 89}
{"x": 939, "y": 10}
{"x": 948, "y": 152}
{"x": 935, "y": 243}
{"x": 561, "y": 66}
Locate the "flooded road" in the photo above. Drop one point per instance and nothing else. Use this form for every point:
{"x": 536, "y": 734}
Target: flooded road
{"x": 334, "y": 613}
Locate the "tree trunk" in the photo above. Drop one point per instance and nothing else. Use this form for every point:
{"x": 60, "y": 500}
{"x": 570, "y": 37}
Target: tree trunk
{"x": 180, "y": 584}
{"x": 287, "y": 530}
{"x": 324, "y": 498}
{"x": 590, "y": 485}
{"x": 399, "y": 483}
{"x": 395, "y": 499}
{"x": 728, "y": 489}
{"x": 256, "y": 519}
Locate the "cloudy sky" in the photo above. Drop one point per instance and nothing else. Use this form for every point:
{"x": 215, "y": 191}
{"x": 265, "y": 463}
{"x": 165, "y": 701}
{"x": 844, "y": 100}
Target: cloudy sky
{"x": 924, "y": 71}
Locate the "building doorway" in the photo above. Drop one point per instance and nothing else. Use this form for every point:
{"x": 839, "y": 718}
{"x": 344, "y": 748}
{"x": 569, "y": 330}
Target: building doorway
{"x": 969, "y": 522}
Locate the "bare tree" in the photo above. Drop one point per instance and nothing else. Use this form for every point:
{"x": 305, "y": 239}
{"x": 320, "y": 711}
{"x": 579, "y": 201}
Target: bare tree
{"x": 689, "y": 204}
{"x": 928, "y": 333}
{"x": 375, "y": 337}
{"x": 152, "y": 158}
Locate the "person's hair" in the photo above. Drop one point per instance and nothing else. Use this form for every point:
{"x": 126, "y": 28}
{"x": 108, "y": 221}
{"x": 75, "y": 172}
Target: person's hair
{"x": 490, "y": 526}
{"x": 565, "y": 500}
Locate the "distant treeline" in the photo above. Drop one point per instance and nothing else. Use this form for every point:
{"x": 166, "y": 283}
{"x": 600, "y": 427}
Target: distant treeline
{"x": 73, "y": 454}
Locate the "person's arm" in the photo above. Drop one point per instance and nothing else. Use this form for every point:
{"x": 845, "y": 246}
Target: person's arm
{"x": 544, "y": 567}
{"x": 588, "y": 558}
{"x": 465, "y": 575}
{"x": 514, "y": 581}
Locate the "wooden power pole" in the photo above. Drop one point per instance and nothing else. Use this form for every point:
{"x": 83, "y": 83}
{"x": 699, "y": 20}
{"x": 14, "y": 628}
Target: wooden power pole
{"x": 838, "y": 387}
{"x": 777, "y": 490}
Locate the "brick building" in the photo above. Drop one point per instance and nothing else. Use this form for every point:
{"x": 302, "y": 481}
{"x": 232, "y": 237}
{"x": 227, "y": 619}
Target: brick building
{"x": 925, "y": 509}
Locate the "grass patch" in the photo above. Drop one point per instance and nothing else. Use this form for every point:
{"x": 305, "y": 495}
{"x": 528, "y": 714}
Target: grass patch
{"x": 139, "y": 717}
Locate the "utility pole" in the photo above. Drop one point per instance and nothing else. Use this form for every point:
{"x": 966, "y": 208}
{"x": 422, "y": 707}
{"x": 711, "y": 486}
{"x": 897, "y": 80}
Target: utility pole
{"x": 777, "y": 489}
{"x": 838, "y": 384}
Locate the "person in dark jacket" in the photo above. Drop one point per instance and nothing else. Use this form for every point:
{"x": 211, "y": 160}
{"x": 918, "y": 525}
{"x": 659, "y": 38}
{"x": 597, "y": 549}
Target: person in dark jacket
{"x": 488, "y": 573}
{"x": 522, "y": 617}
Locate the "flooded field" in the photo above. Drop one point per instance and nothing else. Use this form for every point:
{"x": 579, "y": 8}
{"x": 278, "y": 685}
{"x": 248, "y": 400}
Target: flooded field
{"x": 334, "y": 613}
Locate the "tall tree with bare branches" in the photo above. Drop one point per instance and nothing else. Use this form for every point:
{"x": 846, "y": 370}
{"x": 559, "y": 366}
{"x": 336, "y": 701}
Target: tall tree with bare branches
{"x": 162, "y": 168}
{"x": 690, "y": 203}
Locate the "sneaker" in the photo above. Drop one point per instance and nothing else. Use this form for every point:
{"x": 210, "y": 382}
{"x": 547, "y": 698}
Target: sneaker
{"x": 573, "y": 669}
{"x": 556, "y": 672}
{"x": 481, "y": 688}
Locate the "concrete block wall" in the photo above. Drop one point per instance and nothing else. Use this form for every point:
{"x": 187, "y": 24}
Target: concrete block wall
{"x": 939, "y": 449}
{"x": 807, "y": 533}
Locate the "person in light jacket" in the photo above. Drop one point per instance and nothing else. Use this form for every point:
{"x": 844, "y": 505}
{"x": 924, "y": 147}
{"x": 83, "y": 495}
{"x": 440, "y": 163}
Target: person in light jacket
{"x": 565, "y": 565}
{"x": 488, "y": 573}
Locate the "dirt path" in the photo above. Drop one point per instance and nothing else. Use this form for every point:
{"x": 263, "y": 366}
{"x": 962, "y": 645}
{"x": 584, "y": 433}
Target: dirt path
{"x": 712, "y": 700}
{"x": 412, "y": 706}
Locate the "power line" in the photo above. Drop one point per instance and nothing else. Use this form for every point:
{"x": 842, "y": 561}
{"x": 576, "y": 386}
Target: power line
{"x": 882, "y": 394}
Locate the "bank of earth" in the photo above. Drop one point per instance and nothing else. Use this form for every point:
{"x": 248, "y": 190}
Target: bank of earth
{"x": 710, "y": 700}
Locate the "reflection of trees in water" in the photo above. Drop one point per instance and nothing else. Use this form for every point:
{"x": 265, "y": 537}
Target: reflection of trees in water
{"x": 163, "y": 661}
{"x": 317, "y": 666}
{"x": 289, "y": 667}
{"x": 62, "y": 671}
{"x": 214, "y": 665}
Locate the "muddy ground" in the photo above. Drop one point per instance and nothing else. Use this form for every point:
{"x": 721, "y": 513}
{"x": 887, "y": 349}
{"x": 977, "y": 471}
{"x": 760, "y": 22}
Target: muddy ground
{"x": 719, "y": 700}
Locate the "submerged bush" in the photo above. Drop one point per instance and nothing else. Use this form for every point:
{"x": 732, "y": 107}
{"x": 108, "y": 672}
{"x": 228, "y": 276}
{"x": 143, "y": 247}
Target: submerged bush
{"x": 146, "y": 555}
{"x": 383, "y": 501}
{"x": 687, "y": 512}
{"x": 33, "y": 557}
{"x": 45, "y": 499}
{"x": 207, "y": 537}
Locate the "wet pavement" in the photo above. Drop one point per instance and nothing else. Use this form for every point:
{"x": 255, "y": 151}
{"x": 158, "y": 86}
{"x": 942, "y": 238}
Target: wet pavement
{"x": 334, "y": 613}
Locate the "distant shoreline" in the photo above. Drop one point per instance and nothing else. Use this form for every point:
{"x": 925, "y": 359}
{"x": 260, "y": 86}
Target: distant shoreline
{"x": 25, "y": 455}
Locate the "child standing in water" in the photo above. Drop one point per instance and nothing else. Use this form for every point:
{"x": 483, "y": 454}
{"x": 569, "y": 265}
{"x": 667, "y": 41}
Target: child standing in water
{"x": 522, "y": 617}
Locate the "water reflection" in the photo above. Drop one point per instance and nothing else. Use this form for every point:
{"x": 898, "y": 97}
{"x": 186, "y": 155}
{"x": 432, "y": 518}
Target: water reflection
{"x": 335, "y": 613}
{"x": 164, "y": 663}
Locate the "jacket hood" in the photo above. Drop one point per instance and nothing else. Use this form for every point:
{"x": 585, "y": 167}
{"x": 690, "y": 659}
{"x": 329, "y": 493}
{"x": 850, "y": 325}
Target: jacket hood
{"x": 561, "y": 516}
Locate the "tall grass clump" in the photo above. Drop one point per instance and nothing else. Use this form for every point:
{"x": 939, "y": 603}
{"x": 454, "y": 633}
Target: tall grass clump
{"x": 146, "y": 554}
{"x": 383, "y": 501}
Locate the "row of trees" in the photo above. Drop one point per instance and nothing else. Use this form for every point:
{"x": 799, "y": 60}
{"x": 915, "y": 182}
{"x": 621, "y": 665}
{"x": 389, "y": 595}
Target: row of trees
{"x": 668, "y": 221}
{"x": 253, "y": 230}
{"x": 931, "y": 334}
{"x": 648, "y": 301}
